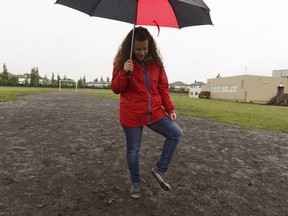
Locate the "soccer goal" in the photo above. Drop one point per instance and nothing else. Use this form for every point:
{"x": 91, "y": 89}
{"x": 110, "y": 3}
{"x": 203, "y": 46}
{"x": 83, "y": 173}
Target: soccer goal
{"x": 70, "y": 81}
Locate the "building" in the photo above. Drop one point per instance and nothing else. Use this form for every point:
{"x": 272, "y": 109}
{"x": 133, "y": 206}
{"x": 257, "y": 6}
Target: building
{"x": 26, "y": 77}
{"x": 195, "y": 89}
{"x": 100, "y": 84}
{"x": 179, "y": 86}
{"x": 280, "y": 73}
{"x": 247, "y": 88}
{"x": 22, "y": 78}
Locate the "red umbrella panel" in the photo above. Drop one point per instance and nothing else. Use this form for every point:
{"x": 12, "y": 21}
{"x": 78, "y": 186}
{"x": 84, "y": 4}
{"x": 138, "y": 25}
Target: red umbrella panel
{"x": 175, "y": 14}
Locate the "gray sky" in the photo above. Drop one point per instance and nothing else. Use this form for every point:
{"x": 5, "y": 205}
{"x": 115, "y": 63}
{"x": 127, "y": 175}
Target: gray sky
{"x": 248, "y": 37}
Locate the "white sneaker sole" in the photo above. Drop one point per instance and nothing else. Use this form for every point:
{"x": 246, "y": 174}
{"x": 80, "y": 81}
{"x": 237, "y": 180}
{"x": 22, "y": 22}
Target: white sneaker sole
{"x": 135, "y": 196}
{"x": 165, "y": 186}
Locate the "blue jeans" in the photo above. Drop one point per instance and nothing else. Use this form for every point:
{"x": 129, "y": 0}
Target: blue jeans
{"x": 168, "y": 128}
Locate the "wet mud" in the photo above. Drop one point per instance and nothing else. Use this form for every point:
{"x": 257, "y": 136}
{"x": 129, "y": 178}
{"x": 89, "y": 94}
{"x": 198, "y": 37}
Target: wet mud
{"x": 63, "y": 153}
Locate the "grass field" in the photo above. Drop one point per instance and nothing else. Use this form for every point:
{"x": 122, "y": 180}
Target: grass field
{"x": 271, "y": 118}
{"x": 14, "y": 93}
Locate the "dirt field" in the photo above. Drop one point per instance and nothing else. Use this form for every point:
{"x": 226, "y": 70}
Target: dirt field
{"x": 64, "y": 154}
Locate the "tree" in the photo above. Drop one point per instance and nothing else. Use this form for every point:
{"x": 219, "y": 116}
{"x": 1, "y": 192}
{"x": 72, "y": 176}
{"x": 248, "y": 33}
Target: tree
{"x": 107, "y": 79}
{"x": 172, "y": 88}
{"x": 13, "y": 81}
{"x": 80, "y": 82}
{"x": 65, "y": 84}
{"x": 34, "y": 77}
{"x": 27, "y": 78}
{"x": 45, "y": 81}
{"x": 84, "y": 81}
{"x": 58, "y": 79}
{"x": 7, "y": 80}
{"x": 4, "y": 76}
{"x": 53, "y": 81}
{"x": 182, "y": 90}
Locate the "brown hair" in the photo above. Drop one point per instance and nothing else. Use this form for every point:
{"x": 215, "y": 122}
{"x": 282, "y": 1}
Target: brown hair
{"x": 140, "y": 34}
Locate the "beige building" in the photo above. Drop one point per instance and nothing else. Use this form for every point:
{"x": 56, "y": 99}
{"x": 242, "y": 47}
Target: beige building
{"x": 246, "y": 88}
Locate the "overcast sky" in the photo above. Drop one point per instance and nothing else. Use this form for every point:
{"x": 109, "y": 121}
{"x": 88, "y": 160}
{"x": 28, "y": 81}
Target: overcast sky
{"x": 248, "y": 37}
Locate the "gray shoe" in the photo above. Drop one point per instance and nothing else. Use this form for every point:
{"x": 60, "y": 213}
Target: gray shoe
{"x": 162, "y": 178}
{"x": 135, "y": 191}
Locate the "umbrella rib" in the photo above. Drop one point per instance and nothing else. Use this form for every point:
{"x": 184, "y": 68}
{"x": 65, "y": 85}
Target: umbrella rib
{"x": 95, "y": 7}
{"x": 135, "y": 21}
{"x": 174, "y": 13}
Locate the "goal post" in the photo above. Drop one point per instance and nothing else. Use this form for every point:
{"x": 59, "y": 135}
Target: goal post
{"x": 71, "y": 81}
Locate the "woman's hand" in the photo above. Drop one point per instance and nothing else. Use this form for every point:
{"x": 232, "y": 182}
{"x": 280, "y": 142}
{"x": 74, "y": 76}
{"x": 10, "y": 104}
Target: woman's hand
{"x": 173, "y": 116}
{"x": 128, "y": 65}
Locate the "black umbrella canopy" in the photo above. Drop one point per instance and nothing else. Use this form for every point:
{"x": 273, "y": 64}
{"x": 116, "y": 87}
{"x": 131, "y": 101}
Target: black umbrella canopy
{"x": 121, "y": 10}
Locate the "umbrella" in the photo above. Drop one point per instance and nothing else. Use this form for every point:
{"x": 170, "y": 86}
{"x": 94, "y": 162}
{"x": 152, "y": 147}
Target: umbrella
{"x": 166, "y": 13}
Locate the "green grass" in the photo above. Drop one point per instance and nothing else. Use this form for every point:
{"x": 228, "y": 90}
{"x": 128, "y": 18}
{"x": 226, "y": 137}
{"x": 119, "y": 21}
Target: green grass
{"x": 270, "y": 118}
{"x": 15, "y": 93}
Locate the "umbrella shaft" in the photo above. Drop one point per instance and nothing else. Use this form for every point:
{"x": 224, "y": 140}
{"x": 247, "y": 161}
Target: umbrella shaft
{"x": 132, "y": 42}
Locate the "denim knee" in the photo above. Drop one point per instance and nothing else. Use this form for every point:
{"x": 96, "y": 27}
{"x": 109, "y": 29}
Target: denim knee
{"x": 178, "y": 134}
{"x": 132, "y": 150}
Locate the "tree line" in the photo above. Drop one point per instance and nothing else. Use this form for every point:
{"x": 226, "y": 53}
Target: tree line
{"x": 33, "y": 79}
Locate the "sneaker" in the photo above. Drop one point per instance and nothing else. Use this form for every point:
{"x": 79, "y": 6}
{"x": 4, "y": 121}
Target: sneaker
{"x": 135, "y": 191}
{"x": 162, "y": 178}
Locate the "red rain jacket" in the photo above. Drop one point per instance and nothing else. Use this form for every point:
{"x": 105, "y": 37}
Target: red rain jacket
{"x": 144, "y": 97}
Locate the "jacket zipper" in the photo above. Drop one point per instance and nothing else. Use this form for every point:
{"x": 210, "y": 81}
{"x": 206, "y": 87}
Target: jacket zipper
{"x": 146, "y": 83}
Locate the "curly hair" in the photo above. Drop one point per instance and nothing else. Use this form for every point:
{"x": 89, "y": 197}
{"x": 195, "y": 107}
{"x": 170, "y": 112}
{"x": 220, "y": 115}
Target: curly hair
{"x": 140, "y": 34}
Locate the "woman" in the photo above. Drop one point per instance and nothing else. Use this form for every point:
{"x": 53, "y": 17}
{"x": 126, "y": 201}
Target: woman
{"x": 144, "y": 101}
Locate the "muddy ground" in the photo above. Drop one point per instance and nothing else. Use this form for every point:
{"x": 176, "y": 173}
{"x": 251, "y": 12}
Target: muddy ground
{"x": 63, "y": 153}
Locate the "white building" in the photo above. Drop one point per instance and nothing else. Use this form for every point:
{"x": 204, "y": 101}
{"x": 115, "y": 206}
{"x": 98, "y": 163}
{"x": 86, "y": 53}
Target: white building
{"x": 100, "y": 84}
{"x": 195, "y": 89}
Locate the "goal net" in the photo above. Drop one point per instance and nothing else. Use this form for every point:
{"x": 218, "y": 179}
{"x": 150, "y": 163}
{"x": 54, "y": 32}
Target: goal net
{"x": 69, "y": 81}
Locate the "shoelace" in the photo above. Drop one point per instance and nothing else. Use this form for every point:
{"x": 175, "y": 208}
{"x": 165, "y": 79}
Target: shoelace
{"x": 164, "y": 176}
{"x": 135, "y": 187}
